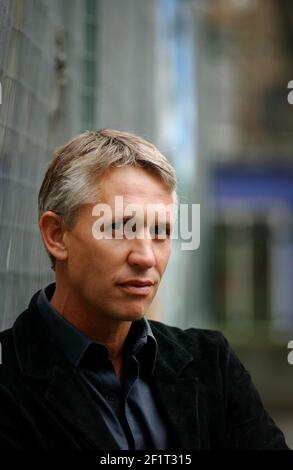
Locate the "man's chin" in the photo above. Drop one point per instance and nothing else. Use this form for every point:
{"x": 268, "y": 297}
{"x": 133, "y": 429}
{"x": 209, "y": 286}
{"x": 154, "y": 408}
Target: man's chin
{"x": 130, "y": 316}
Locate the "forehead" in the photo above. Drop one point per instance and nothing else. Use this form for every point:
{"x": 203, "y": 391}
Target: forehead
{"x": 136, "y": 185}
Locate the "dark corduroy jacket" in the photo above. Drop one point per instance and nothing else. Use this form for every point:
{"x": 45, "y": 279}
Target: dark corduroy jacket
{"x": 205, "y": 393}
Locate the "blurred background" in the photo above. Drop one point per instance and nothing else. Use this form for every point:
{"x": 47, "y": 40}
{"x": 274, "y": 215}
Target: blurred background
{"x": 207, "y": 82}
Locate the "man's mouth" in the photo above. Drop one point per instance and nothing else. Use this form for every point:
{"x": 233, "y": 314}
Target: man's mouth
{"x": 137, "y": 287}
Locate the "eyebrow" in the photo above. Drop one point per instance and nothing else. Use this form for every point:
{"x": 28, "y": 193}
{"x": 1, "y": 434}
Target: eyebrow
{"x": 129, "y": 217}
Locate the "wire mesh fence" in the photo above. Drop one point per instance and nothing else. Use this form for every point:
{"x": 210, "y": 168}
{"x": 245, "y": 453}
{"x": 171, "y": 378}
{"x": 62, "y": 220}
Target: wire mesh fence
{"x": 41, "y": 47}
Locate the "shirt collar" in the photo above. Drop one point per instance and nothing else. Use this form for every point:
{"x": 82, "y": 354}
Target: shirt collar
{"x": 140, "y": 340}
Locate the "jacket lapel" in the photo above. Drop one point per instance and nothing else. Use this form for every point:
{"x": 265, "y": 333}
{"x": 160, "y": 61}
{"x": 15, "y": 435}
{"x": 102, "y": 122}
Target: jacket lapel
{"x": 177, "y": 388}
{"x": 179, "y": 402}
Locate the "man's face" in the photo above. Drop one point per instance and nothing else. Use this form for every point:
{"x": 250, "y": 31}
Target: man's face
{"x": 97, "y": 269}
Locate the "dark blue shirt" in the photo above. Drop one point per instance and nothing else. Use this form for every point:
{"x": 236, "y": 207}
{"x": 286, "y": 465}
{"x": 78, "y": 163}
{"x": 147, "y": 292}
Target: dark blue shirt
{"x": 128, "y": 409}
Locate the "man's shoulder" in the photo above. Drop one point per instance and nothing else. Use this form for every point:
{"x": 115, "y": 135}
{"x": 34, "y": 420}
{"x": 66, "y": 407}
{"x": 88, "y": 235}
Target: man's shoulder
{"x": 9, "y": 370}
{"x": 8, "y": 347}
{"x": 174, "y": 332}
{"x": 6, "y": 338}
{"x": 193, "y": 339}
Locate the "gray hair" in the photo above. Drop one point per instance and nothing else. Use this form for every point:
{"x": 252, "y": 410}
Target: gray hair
{"x": 71, "y": 178}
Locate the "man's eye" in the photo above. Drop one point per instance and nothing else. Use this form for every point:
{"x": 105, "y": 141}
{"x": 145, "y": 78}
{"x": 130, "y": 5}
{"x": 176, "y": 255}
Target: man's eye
{"x": 160, "y": 230}
{"x": 116, "y": 226}
{"x": 130, "y": 229}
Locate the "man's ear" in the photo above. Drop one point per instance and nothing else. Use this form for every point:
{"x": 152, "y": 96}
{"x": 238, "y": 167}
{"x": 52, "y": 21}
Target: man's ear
{"x": 52, "y": 231}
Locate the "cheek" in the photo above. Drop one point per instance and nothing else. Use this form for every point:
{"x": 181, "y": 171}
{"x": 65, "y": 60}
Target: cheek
{"x": 82, "y": 256}
{"x": 97, "y": 257}
{"x": 78, "y": 265}
{"x": 78, "y": 252}
{"x": 163, "y": 255}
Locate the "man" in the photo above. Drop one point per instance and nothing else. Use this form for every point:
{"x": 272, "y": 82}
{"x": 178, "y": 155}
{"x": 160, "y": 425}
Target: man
{"x": 82, "y": 367}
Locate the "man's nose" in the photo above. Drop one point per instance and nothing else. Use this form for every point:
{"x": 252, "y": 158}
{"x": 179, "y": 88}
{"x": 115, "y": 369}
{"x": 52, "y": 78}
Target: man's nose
{"x": 142, "y": 253}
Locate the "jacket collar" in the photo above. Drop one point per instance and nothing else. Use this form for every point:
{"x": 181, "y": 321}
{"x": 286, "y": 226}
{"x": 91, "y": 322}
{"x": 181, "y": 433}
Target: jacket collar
{"x": 35, "y": 349}
{"x": 174, "y": 383}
